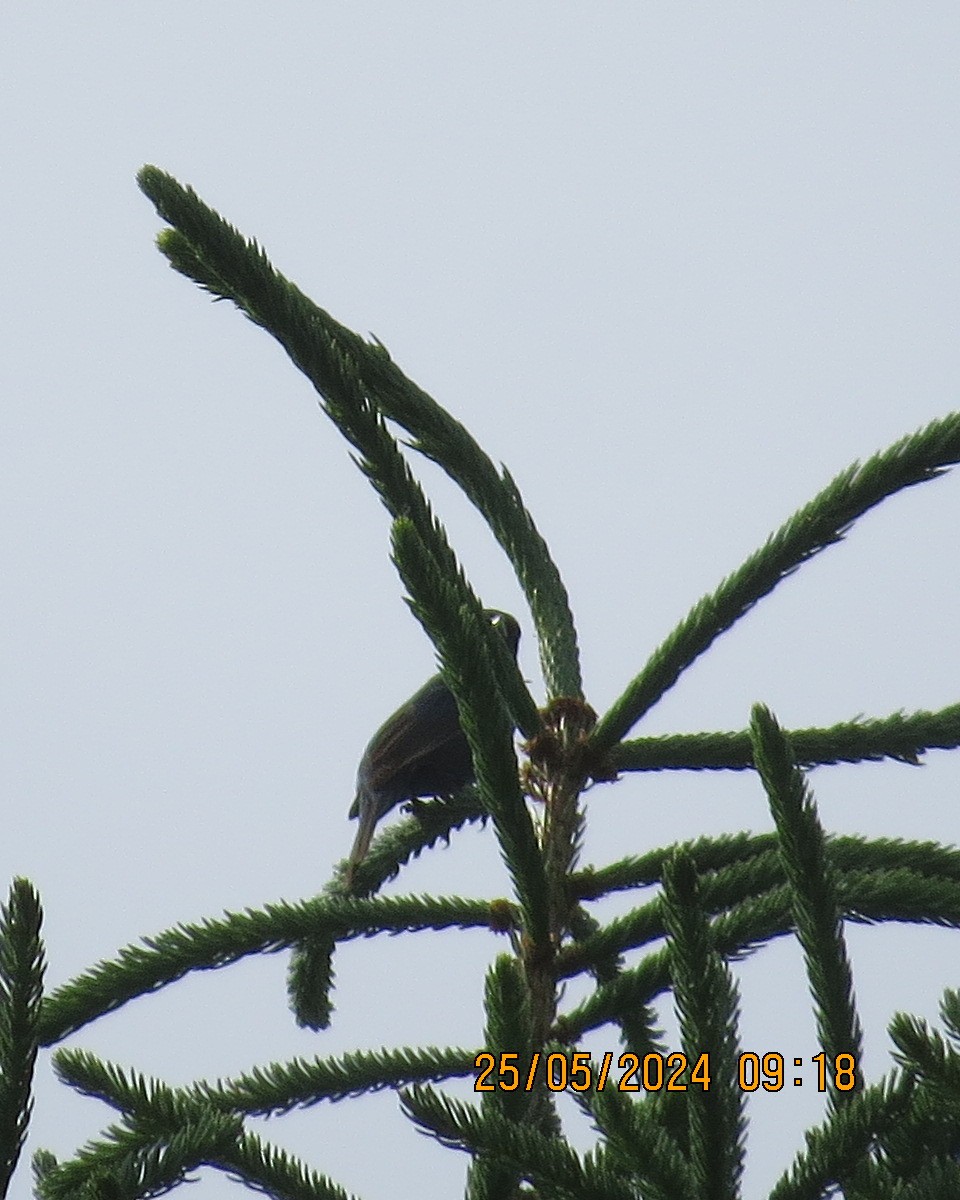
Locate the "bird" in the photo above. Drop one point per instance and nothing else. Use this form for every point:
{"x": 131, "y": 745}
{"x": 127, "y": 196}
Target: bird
{"x": 420, "y": 750}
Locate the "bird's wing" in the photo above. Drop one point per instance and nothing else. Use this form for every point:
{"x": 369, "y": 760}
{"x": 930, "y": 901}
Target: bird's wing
{"x": 423, "y": 727}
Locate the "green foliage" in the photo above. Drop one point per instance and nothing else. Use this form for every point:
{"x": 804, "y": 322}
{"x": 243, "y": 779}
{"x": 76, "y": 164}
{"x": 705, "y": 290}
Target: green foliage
{"x": 814, "y": 892}
{"x": 21, "y": 990}
{"x": 717, "y": 899}
{"x": 708, "y": 1008}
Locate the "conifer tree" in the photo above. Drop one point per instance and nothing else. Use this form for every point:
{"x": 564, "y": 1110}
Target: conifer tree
{"x": 718, "y": 899}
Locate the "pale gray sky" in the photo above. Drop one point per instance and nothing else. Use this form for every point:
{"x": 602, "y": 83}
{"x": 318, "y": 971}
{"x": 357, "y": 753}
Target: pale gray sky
{"x": 675, "y": 264}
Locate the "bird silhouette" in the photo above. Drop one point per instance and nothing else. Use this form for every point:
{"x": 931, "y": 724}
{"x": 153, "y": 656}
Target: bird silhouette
{"x": 420, "y": 750}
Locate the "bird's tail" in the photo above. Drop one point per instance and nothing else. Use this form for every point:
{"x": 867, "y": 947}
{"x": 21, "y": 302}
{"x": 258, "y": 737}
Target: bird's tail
{"x": 368, "y": 815}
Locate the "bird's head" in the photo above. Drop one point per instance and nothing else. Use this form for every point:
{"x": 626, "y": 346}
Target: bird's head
{"x": 506, "y": 625}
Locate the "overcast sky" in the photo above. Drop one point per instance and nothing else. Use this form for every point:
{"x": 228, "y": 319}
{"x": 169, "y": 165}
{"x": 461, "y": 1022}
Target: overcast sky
{"x": 676, "y": 265}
